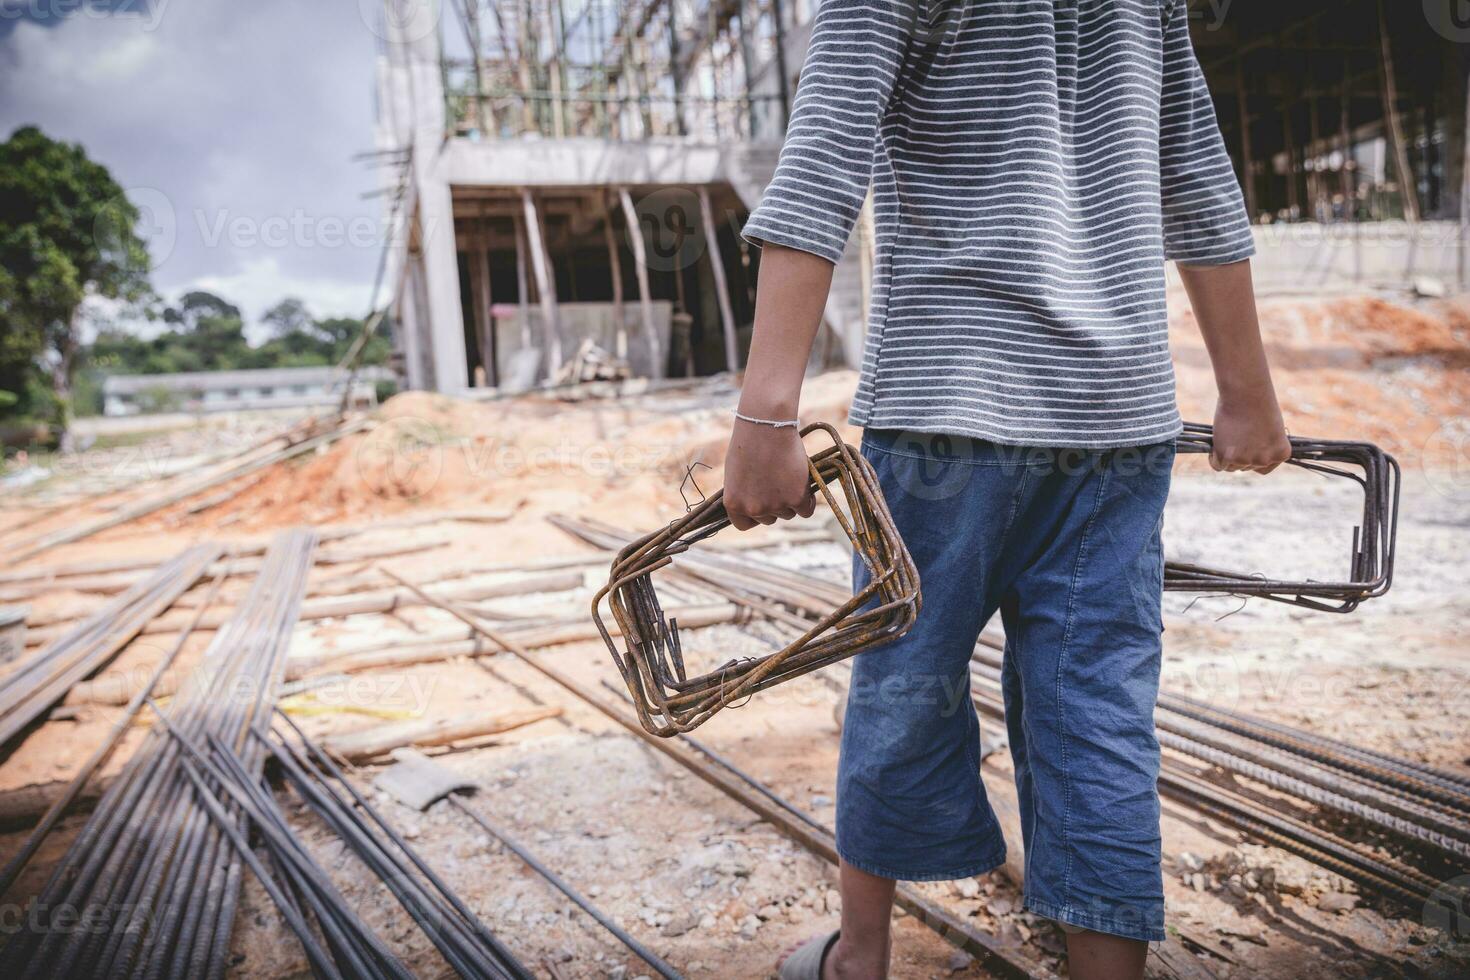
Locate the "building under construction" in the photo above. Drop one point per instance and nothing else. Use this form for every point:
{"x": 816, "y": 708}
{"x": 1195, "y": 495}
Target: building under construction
{"x": 568, "y": 178}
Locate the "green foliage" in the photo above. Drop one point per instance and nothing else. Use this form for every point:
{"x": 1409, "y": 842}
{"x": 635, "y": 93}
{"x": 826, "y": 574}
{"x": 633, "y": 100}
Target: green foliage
{"x": 207, "y": 333}
{"x": 67, "y": 231}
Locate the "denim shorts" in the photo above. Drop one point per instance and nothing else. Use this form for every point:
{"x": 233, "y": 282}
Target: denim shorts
{"x": 1065, "y": 544}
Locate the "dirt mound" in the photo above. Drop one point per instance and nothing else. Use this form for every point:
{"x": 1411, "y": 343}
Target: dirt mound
{"x": 1360, "y": 368}
{"x": 1357, "y": 368}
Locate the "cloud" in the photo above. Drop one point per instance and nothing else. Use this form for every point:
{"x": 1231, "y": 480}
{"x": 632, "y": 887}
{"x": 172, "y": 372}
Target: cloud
{"x": 262, "y": 282}
{"x": 223, "y": 116}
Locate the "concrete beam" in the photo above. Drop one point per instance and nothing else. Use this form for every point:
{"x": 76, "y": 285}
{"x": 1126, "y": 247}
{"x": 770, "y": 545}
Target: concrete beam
{"x": 580, "y": 162}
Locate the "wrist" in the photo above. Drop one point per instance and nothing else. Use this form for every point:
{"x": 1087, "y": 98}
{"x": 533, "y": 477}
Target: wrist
{"x": 1247, "y": 395}
{"x": 768, "y": 405}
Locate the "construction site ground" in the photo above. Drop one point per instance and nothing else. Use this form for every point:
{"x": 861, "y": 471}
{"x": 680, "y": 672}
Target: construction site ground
{"x": 693, "y": 874}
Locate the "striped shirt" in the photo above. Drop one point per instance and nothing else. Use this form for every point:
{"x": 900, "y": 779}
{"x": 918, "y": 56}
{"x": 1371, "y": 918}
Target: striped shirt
{"x": 1033, "y": 163}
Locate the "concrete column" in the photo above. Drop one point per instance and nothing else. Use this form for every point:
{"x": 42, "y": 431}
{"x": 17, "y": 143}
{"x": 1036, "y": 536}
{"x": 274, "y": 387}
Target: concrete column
{"x": 412, "y": 117}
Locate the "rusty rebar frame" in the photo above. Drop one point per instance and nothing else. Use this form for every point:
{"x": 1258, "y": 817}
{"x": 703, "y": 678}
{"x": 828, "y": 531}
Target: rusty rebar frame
{"x": 1370, "y": 570}
{"x": 667, "y": 700}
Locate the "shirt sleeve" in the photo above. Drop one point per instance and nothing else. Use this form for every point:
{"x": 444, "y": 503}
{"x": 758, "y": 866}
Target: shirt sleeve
{"x": 826, "y": 160}
{"x": 1205, "y": 221}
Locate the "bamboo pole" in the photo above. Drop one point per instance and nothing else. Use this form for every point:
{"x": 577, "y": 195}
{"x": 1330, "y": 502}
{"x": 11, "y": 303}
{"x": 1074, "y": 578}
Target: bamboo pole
{"x": 615, "y": 265}
{"x": 1408, "y": 189}
{"x": 545, "y": 282}
{"x": 640, "y": 269}
{"x": 722, "y": 288}
{"x": 361, "y": 746}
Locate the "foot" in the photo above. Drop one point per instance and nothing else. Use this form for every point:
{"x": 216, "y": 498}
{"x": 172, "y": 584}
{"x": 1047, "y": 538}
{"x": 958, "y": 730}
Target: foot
{"x": 826, "y": 968}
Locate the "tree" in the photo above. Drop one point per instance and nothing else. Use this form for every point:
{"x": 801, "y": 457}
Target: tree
{"x": 288, "y": 316}
{"x": 67, "y": 232}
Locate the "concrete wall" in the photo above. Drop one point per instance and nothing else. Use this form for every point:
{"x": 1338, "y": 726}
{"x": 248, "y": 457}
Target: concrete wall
{"x": 581, "y": 321}
{"x": 1308, "y": 256}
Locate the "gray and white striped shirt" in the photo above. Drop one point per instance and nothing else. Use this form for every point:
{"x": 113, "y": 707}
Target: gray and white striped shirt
{"x": 1033, "y": 163}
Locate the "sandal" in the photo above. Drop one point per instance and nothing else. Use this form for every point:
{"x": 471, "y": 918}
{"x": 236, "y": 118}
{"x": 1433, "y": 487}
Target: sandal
{"x": 805, "y": 962}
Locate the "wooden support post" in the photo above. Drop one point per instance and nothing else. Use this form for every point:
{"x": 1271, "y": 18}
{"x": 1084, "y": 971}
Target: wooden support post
{"x": 1314, "y": 176}
{"x": 523, "y": 283}
{"x": 1465, "y": 194}
{"x": 1247, "y": 159}
{"x": 1288, "y": 139}
{"x": 749, "y": 15}
{"x": 645, "y": 303}
{"x": 722, "y": 288}
{"x": 484, "y": 302}
{"x": 615, "y": 271}
{"x": 545, "y": 282}
{"x": 1408, "y": 189}
{"x": 1345, "y": 141}
{"x": 676, "y": 70}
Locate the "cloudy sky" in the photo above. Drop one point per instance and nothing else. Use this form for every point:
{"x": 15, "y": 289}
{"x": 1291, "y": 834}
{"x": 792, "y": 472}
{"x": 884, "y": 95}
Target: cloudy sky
{"x": 233, "y": 123}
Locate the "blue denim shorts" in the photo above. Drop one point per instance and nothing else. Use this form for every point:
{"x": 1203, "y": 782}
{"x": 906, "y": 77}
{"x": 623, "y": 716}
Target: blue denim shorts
{"x": 1065, "y": 544}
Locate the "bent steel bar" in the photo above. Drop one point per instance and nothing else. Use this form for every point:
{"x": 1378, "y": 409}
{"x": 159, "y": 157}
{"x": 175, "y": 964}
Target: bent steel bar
{"x": 1370, "y": 567}
{"x": 667, "y": 699}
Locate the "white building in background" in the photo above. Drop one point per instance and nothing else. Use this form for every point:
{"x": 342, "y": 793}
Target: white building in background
{"x": 235, "y": 391}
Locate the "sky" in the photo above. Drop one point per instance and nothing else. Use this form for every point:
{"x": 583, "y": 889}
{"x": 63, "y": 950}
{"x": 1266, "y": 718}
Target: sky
{"x": 232, "y": 125}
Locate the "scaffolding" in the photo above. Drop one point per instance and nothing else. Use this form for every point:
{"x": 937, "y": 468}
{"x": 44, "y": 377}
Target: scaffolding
{"x": 595, "y": 162}
{"x": 591, "y": 68}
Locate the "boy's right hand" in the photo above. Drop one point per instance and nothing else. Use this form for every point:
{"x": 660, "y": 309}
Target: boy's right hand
{"x": 1250, "y": 436}
{"x": 766, "y": 476}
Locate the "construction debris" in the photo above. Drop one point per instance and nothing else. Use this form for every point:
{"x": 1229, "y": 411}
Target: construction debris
{"x": 458, "y": 652}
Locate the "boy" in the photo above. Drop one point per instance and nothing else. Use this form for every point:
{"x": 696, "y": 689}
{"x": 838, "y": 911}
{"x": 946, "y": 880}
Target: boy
{"x": 1033, "y": 164}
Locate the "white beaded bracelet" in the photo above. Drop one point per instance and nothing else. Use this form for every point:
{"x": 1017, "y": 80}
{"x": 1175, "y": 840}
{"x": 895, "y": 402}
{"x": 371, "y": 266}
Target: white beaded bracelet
{"x": 773, "y": 423}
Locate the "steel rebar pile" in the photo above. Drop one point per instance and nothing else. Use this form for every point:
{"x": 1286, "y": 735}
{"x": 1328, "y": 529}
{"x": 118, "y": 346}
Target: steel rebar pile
{"x": 466, "y": 944}
{"x": 152, "y": 876}
{"x": 44, "y": 679}
{"x": 298, "y": 881}
{"x": 1417, "y": 817}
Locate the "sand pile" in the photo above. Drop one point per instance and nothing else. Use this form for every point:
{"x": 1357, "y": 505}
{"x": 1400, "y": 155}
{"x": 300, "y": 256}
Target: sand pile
{"x": 530, "y": 454}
